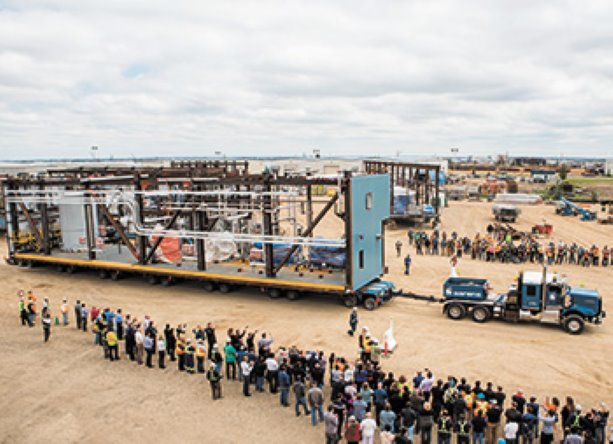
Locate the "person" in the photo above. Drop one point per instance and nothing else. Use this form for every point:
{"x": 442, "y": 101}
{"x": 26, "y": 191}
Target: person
{"x": 407, "y": 264}
{"x": 200, "y": 355}
{"x": 246, "y": 368}
{"x": 353, "y": 321}
{"x": 211, "y": 337}
{"x": 148, "y": 345}
{"x": 398, "y": 248}
{"x": 31, "y": 309}
{"x": 23, "y": 313}
{"x": 454, "y": 263}
{"x": 387, "y": 436}
{"x": 478, "y": 424}
{"x": 573, "y": 437}
{"x": 315, "y": 398}
{"x": 549, "y": 420}
{"x": 424, "y": 422}
{"x": 272, "y": 373}
{"x": 331, "y": 426}
{"x": 84, "y": 313}
{"x": 139, "y": 341}
{"x": 77, "y": 314}
{"x": 189, "y": 356}
{"x": 368, "y": 426}
{"x": 46, "y": 321}
{"x": 112, "y": 344}
{"x": 264, "y": 344}
{"x": 214, "y": 378}
{"x": 284, "y": 384}
{"x": 462, "y": 429}
{"x": 510, "y": 432}
{"x": 387, "y": 417}
{"x": 230, "y": 358}
{"x": 359, "y": 408}
{"x": 161, "y": 351}
{"x": 119, "y": 324}
{"x": 180, "y": 351}
{"x": 299, "y": 390}
{"x": 64, "y": 311}
{"x": 444, "y": 428}
{"x": 353, "y": 434}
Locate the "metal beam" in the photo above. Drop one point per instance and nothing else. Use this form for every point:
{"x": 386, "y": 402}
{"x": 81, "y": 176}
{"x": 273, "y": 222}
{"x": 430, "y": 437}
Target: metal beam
{"x": 32, "y": 224}
{"x": 119, "y": 230}
{"x": 159, "y": 240}
{"x": 308, "y": 231}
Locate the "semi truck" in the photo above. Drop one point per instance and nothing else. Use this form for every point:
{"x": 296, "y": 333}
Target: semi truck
{"x": 505, "y": 212}
{"x": 535, "y": 296}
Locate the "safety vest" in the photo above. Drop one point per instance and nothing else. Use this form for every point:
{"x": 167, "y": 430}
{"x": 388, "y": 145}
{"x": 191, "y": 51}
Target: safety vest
{"x": 64, "y": 308}
{"x": 180, "y": 348}
{"x": 22, "y": 306}
{"x": 462, "y": 428}
{"x": 189, "y": 349}
{"x": 442, "y": 427}
{"x": 111, "y": 338}
{"x": 480, "y": 406}
{"x": 200, "y": 352}
{"x": 211, "y": 376}
{"x": 577, "y": 421}
{"x": 366, "y": 345}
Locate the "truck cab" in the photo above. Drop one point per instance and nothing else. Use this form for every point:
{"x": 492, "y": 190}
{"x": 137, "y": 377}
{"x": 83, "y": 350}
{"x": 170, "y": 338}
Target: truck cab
{"x": 548, "y": 298}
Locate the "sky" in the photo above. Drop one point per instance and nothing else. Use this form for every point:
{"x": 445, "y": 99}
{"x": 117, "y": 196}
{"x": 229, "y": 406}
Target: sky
{"x": 351, "y": 78}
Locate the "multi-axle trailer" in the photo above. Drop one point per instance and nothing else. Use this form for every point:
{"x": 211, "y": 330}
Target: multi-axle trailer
{"x": 208, "y": 221}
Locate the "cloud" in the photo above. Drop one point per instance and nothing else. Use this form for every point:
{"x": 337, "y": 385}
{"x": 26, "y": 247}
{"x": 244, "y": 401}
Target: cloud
{"x": 271, "y": 77}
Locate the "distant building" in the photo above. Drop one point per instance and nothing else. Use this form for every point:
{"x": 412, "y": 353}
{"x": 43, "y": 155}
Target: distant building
{"x": 608, "y": 167}
{"x": 542, "y": 176}
{"x": 526, "y": 161}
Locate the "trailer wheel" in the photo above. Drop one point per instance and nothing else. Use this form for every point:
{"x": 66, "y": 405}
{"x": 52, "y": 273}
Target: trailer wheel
{"x": 103, "y": 274}
{"x": 152, "y": 279}
{"x": 167, "y": 281}
{"x": 71, "y": 269}
{"x": 574, "y": 324}
{"x": 292, "y": 295}
{"x": 456, "y": 311}
{"x": 370, "y": 303}
{"x": 225, "y": 288}
{"x": 115, "y": 275}
{"x": 274, "y": 293}
{"x": 350, "y": 300}
{"x": 209, "y": 286}
{"x": 481, "y": 314}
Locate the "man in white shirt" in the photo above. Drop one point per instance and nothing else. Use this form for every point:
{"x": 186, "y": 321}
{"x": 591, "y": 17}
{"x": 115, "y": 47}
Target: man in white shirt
{"x": 139, "y": 340}
{"x": 272, "y": 367}
{"x": 369, "y": 426}
{"x": 510, "y": 432}
{"x": 246, "y": 368}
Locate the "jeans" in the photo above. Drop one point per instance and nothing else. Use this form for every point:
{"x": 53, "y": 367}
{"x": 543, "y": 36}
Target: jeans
{"x": 65, "y": 318}
{"x": 161, "y": 354}
{"x": 426, "y": 435}
{"x": 284, "y": 396}
{"x": 231, "y": 368}
{"x": 301, "y": 402}
{"x": 410, "y": 432}
{"x": 314, "y": 411}
{"x": 331, "y": 438}
{"x": 477, "y": 438}
{"x": 259, "y": 383}
{"x": 246, "y": 385}
{"x": 443, "y": 439}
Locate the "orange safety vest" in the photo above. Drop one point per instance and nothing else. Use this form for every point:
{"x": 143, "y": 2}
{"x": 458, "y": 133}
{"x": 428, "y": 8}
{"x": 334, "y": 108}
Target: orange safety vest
{"x": 180, "y": 348}
{"x": 200, "y": 352}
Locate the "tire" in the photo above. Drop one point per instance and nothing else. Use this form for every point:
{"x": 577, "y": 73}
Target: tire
{"x": 71, "y": 269}
{"x": 574, "y": 324}
{"x": 274, "y": 293}
{"x": 115, "y": 275}
{"x": 209, "y": 286}
{"x": 481, "y": 314}
{"x": 167, "y": 281}
{"x": 456, "y": 312}
{"x": 152, "y": 279}
{"x": 370, "y": 303}
{"x": 225, "y": 288}
{"x": 292, "y": 295}
{"x": 103, "y": 274}
{"x": 350, "y": 300}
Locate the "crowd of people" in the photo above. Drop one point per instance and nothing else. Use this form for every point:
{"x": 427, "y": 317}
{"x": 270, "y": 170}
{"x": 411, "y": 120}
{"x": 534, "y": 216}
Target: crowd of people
{"x": 502, "y": 246}
{"x": 363, "y": 399}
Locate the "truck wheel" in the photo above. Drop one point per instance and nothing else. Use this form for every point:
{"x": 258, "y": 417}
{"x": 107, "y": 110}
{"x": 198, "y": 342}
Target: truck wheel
{"x": 370, "y": 303}
{"x": 574, "y": 324}
{"x": 225, "y": 288}
{"x": 152, "y": 279}
{"x": 456, "y": 312}
{"x": 350, "y": 300}
{"x": 103, "y": 274}
{"x": 167, "y": 281}
{"x": 274, "y": 293}
{"x": 116, "y": 275}
{"x": 292, "y": 295}
{"x": 480, "y": 314}
{"x": 209, "y": 286}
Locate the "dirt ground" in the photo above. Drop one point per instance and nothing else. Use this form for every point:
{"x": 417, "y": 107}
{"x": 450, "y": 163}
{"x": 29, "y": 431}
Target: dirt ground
{"x": 65, "y": 391}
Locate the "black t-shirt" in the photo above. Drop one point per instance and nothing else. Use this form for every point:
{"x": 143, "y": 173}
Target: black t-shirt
{"x": 493, "y": 415}
{"x": 437, "y": 395}
{"x": 478, "y": 424}
{"x": 408, "y": 417}
{"x": 520, "y": 401}
{"x": 500, "y": 397}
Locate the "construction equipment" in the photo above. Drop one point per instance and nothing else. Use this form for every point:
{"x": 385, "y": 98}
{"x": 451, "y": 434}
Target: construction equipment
{"x": 565, "y": 207}
{"x": 505, "y": 212}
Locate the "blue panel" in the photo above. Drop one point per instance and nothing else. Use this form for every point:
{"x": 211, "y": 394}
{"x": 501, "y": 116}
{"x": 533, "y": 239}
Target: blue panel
{"x": 367, "y": 226}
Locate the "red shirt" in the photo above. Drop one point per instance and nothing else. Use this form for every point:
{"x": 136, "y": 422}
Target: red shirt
{"x": 94, "y": 313}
